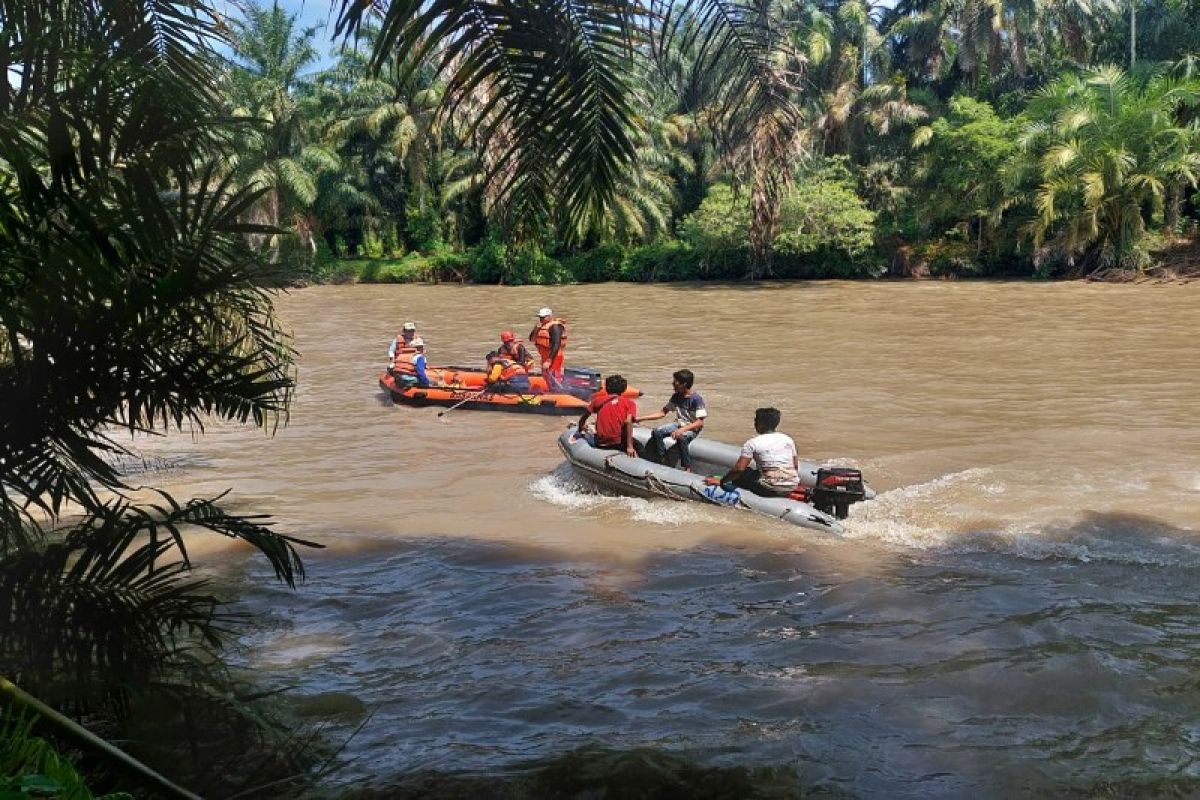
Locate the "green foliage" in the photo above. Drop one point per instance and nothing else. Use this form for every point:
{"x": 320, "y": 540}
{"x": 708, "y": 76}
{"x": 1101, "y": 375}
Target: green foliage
{"x": 399, "y": 147}
{"x": 489, "y": 263}
{"x": 31, "y": 767}
{"x": 529, "y": 264}
{"x": 662, "y": 261}
{"x": 963, "y": 153}
{"x": 514, "y": 265}
{"x": 423, "y": 226}
{"x": 950, "y": 258}
{"x": 824, "y": 229}
{"x": 719, "y": 233}
{"x": 824, "y": 216}
{"x": 411, "y": 268}
{"x": 1100, "y": 154}
{"x": 604, "y": 263}
{"x": 130, "y": 301}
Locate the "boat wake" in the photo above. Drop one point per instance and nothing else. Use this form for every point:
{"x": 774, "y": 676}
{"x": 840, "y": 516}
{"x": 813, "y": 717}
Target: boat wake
{"x": 563, "y": 488}
{"x": 982, "y": 510}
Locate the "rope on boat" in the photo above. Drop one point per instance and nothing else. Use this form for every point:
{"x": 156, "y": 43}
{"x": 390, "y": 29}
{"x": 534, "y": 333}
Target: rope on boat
{"x": 655, "y": 484}
{"x": 658, "y": 486}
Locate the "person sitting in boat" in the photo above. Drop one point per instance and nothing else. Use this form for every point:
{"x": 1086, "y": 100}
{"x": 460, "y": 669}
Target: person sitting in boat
{"x": 549, "y": 336}
{"x": 690, "y": 413}
{"x": 401, "y": 347}
{"x": 513, "y": 348}
{"x": 776, "y": 469}
{"x": 505, "y": 375}
{"x": 417, "y": 377}
{"x": 614, "y": 417}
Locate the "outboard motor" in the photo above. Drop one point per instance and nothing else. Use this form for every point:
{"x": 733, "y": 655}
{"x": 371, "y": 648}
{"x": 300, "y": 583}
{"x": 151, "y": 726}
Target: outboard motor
{"x": 836, "y": 489}
{"x": 581, "y": 381}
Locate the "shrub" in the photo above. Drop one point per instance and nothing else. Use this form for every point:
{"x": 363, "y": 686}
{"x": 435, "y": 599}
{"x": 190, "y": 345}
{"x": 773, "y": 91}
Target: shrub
{"x": 825, "y": 230}
{"x": 447, "y": 265}
{"x": 670, "y": 260}
{"x": 603, "y": 263}
{"x": 489, "y": 262}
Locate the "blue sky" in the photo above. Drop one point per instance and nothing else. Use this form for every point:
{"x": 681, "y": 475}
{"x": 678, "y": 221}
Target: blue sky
{"x": 312, "y": 13}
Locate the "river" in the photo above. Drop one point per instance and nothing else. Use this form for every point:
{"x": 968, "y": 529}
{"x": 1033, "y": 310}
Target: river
{"x": 1015, "y": 614}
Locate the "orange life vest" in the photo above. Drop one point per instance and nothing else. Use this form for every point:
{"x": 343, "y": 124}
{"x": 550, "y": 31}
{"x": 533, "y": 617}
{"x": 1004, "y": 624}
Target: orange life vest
{"x": 503, "y": 368}
{"x": 406, "y": 363}
{"x": 403, "y": 348}
{"x": 514, "y": 350}
{"x": 540, "y": 335}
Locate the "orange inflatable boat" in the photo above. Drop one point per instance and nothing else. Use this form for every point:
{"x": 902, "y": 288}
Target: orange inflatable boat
{"x": 476, "y": 399}
{"x": 581, "y": 382}
{"x": 466, "y": 387}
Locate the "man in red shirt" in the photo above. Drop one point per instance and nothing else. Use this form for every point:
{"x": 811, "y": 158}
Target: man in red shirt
{"x": 614, "y": 416}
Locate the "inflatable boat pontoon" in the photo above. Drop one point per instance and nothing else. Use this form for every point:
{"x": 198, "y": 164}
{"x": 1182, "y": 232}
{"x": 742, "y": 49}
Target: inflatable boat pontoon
{"x": 582, "y": 382}
{"x": 466, "y": 388}
{"x": 481, "y": 400}
{"x": 832, "y": 489}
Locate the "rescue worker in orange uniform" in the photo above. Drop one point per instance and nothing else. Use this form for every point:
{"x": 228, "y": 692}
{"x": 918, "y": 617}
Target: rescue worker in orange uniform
{"x": 402, "y": 346}
{"x": 514, "y": 348}
{"x": 417, "y": 360}
{"x": 550, "y": 338}
{"x": 505, "y": 374}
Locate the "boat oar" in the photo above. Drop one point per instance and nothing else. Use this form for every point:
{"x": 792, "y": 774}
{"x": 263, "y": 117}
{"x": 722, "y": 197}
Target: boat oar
{"x": 466, "y": 399}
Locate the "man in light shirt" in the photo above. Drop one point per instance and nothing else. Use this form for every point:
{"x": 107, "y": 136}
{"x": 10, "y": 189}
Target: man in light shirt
{"x": 776, "y": 464}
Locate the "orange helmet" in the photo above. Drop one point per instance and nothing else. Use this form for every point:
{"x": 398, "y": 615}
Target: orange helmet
{"x": 507, "y": 336}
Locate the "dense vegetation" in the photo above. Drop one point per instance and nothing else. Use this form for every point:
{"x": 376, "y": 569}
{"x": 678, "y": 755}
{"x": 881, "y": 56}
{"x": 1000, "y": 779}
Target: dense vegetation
{"x": 160, "y": 164}
{"x": 957, "y": 139}
{"x": 129, "y": 302}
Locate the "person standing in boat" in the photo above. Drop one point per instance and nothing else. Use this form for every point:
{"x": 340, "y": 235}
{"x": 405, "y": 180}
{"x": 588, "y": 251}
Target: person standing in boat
{"x": 614, "y": 417}
{"x": 690, "y": 413}
{"x": 549, "y": 336}
{"x": 776, "y": 465}
{"x": 514, "y": 349}
{"x": 401, "y": 347}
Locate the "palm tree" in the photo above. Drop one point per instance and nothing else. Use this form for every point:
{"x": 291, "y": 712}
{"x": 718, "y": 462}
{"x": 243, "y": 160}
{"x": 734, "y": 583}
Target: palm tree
{"x": 559, "y": 108}
{"x": 943, "y": 41}
{"x": 277, "y": 149}
{"x": 1099, "y": 149}
{"x": 128, "y": 304}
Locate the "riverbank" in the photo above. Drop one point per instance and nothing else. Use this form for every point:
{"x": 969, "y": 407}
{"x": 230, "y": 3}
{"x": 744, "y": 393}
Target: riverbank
{"x": 1175, "y": 260}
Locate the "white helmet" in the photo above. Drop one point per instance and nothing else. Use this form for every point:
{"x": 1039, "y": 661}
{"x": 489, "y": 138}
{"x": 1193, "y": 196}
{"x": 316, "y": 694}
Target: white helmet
{"x": 410, "y": 326}
{"x": 417, "y": 342}
{"x": 546, "y": 312}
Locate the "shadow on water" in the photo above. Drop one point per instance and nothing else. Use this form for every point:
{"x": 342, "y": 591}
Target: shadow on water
{"x": 596, "y": 772}
{"x": 508, "y": 670}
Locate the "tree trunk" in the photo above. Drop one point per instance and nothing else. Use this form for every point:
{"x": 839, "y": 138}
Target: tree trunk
{"x": 1174, "y": 201}
{"x": 275, "y": 243}
{"x": 1132, "y": 34}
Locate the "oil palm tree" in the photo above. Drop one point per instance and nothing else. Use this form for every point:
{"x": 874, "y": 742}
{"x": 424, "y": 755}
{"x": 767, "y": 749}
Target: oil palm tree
{"x": 943, "y": 41}
{"x": 559, "y": 79}
{"x": 385, "y": 123}
{"x": 127, "y": 304}
{"x": 1100, "y": 150}
{"x": 278, "y": 148}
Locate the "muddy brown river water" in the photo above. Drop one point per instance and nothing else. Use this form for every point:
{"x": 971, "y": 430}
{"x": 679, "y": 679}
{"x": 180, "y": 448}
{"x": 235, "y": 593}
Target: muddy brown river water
{"x": 1015, "y": 614}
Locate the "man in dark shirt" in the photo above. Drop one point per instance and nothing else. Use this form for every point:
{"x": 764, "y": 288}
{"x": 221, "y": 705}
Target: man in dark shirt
{"x": 690, "y": 414}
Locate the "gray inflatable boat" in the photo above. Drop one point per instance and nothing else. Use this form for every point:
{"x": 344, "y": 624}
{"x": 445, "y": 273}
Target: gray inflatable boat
{"x": 832, "y": 489}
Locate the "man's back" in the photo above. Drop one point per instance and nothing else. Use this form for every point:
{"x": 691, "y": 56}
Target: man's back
{"x": 611, "y": 413}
